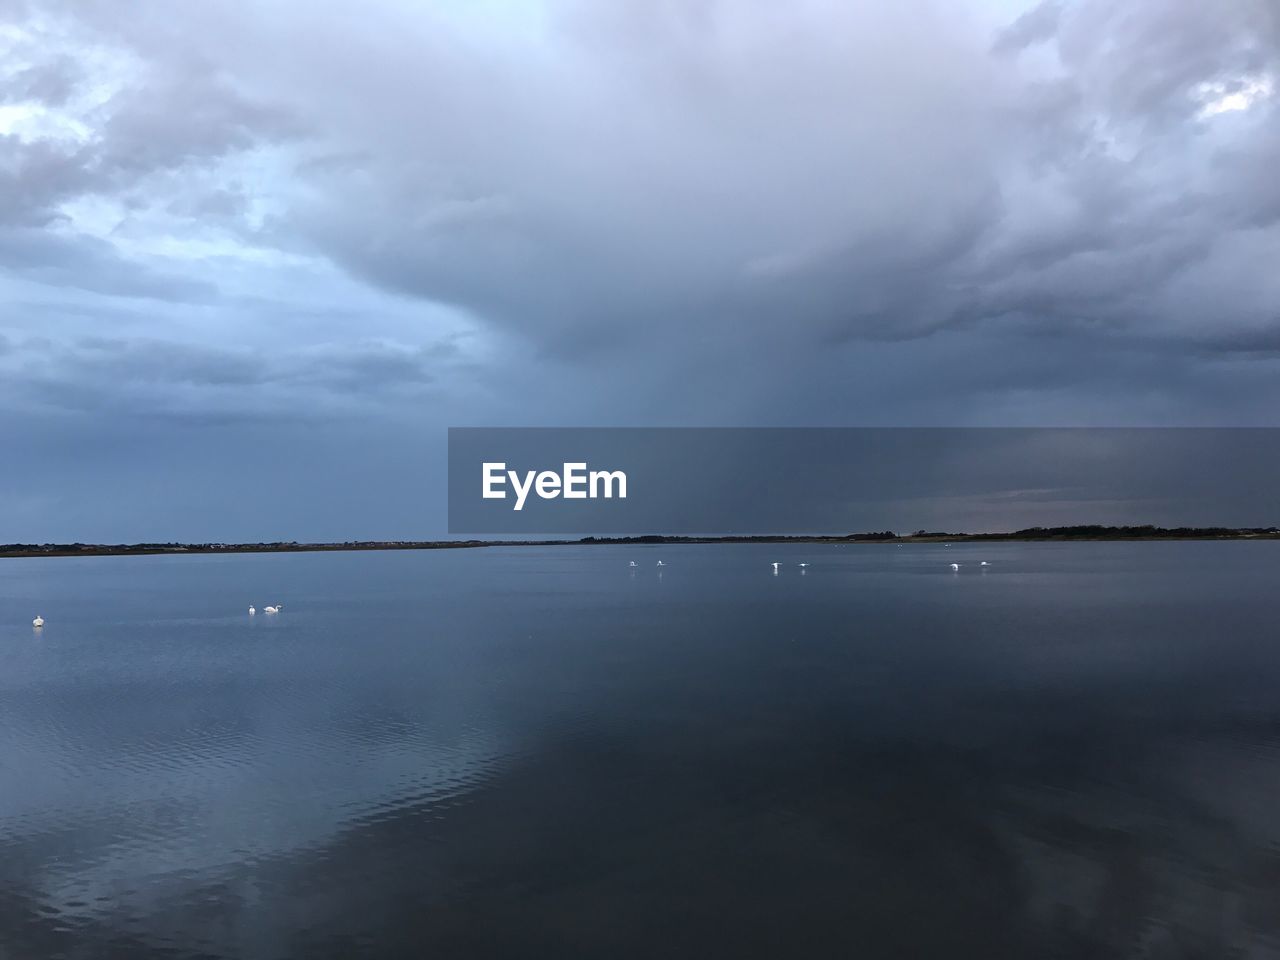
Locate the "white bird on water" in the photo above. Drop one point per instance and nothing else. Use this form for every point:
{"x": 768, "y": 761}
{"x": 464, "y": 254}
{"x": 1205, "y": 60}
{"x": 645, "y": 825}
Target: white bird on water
{"x": 632, "y": 563}
{"x": 803, "y": 564}
{"x": 661, "y": 564}
{"x": 252, "y": 611}
{"x": 38, "y": 622}
{"x": 275, "y": 609}
{"x": 955, "y": 566}
{"x": 984, "y": 564}
{"x": 776, "y": 564}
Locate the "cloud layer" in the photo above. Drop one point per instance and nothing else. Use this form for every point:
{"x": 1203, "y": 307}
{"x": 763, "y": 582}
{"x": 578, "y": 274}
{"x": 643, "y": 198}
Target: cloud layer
{"x": 406, "y": 216}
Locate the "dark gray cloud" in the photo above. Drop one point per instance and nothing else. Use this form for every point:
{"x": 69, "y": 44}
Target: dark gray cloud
{"x": 861, "y": 176}
{"x": 136, "y": 376}
{"x": 1037, "y": 25}
{"x": 91, "y": 263}
{"x": 51, "y": 82}
{"x": 723, "y": 211}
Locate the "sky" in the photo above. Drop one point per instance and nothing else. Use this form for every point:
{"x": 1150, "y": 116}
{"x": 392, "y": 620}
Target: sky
{"x": 256, "y": 258}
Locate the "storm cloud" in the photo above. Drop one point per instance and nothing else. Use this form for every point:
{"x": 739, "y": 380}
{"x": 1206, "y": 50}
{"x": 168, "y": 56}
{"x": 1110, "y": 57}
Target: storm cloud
{"x": 384, "y": 219}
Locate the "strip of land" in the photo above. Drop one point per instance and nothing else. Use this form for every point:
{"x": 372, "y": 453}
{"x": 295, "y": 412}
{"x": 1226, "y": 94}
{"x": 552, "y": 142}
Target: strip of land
{"x": 1086, "y": 532}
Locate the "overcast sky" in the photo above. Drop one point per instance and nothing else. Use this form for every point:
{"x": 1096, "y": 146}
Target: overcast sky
{"x": 255, "y": 257}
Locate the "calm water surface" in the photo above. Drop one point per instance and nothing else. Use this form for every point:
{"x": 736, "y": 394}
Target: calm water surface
{"x": 1074, "y": 752}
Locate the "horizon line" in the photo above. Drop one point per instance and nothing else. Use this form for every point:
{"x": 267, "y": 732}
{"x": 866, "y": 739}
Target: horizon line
{"x": 1097, "y": 532}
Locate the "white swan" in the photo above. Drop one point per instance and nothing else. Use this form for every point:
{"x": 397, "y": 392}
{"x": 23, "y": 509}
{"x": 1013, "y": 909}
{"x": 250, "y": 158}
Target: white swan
{"x": 776, "y": 564}
{"x": 984, "y": 564}
{"x": 955, "y": 566}
{"x": 632, "y": 563}
{"x": 803, "y": 564}
{"x": 661, "y": 564}
{"x": 252, "y": 611}
{"x": 38, "y": 622}
{"x": 270, "y": 609}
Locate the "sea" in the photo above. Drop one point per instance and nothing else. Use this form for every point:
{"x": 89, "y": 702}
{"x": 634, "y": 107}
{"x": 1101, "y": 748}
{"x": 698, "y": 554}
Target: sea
{"x": 1072, "y": 751}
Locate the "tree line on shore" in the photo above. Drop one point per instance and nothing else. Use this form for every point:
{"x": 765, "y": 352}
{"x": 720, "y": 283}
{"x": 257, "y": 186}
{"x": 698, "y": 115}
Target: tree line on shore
{"x": 1077, "y": 532}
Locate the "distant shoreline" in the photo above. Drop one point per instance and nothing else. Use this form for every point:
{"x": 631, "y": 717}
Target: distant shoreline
{"x": 1028, "y": 535}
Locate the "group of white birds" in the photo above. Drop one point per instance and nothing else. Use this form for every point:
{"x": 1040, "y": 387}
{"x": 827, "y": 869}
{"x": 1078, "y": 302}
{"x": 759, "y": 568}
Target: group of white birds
{"x": 777, "y": 564}
{"x": 38, "y": 622}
